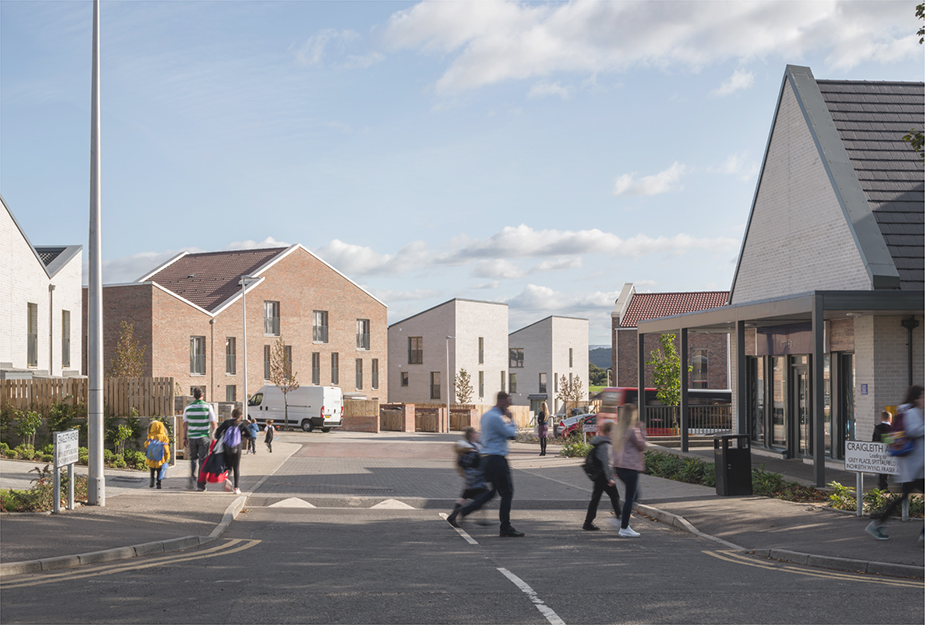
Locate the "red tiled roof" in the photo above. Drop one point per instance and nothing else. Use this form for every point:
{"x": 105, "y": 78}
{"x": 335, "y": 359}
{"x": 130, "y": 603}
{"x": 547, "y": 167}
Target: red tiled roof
{"x": 645, "y": 306}
{"x": 210, "y": 278}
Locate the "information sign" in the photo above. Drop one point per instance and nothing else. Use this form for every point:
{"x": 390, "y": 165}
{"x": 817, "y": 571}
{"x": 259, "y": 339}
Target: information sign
{"x": 869, "y": 458}
{"x": 589, "y": 427}
{"x": 65, "y": 448}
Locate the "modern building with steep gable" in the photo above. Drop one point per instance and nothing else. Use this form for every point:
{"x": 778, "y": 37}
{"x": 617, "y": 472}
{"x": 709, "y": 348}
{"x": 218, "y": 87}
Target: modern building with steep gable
{"x": 187, "y": 314}
{"x": 826, "y": 306}
{"x": 40, "y": 323}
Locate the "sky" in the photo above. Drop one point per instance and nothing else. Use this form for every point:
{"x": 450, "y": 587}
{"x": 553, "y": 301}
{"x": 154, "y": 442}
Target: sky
{"x": 540, "y": 154}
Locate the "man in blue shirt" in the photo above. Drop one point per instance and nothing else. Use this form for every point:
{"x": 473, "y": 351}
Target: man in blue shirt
{"x": 498, "y": 428}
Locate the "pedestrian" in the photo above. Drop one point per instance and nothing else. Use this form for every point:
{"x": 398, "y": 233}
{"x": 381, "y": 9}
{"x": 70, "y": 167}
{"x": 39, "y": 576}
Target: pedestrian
{"x": 157, "y": 452}
{"x": 252, "y": 430}
{"x": 270, "y": 433}
{"x": 911, "y": 465}
{"x": 231, "y": 435}
{"x": 542, "y": 427}
{"x": 602, "y": 447}
{"x": 629, "y": 443}
{"x": 198, "y": 424}
{"x": 468, "y": 463}
{"x": 879, "y": 430}
{"x": 498, "y": 428}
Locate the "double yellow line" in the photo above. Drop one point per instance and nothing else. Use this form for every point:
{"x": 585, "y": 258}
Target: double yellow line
{"x": 227, "y": 548}
{"x": 737, "y": 558}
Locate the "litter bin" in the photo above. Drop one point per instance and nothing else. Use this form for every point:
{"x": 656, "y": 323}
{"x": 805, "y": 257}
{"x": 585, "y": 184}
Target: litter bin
{"x": 733, "y": 458}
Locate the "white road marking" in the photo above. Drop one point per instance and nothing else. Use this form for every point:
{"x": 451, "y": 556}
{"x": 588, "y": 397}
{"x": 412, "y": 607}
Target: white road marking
{"x": 544, "y": 609}
{"x": 292, "y": 502}
{"x": 392, "y": 504}
{"x": 461, "y": 531}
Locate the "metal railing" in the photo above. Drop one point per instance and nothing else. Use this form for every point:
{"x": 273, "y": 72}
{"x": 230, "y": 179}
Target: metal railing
{"x": 197, "y": 364}
{"x": 703, "y": 420}
{"x": 32, "y": 353}
{"x": 271, "y": 326}
{"x": 320, "y": 334}
{"x": 362, "y": 340}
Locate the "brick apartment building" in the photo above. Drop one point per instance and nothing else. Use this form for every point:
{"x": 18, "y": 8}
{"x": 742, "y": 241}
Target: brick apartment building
{"x": 187, "y": 314}
{"x": 708, "y": 353}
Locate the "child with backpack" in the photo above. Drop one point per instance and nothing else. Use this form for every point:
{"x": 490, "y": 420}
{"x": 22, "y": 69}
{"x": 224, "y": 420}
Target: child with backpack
{"x": 157, "y": 452}
{"x": 252, "y": 430}
{"x": 271, "y": 431}
{"x": 229, "y": 432}
{"x": 468, "y": 459}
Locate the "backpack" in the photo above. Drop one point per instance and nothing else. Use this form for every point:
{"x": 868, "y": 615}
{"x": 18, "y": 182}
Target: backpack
{"x": 897, "y": 443}
{"x": 592, "y": 465}
{"x": 232, "y": 437}
{"x": 155, "y": 450}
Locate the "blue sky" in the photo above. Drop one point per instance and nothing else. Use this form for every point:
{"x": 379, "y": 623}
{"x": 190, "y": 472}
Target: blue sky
{"x": 539, "y": 154}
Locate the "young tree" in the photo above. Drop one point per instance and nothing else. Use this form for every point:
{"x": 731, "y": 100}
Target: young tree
{"x": 128, "y": 358}
{"x": 571, "y": 392}
{"x": 667, "y": 374}
{"x": 281, "y": 373}
{"x": 463, "y": 387}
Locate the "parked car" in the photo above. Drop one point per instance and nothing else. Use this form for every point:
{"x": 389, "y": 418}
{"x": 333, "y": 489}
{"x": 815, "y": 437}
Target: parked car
{"x": 566, "y": 427}
{"x": 309, "y": 407}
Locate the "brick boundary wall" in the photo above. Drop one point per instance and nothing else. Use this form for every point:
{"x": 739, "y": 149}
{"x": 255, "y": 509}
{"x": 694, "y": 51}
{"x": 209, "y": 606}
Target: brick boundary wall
{"x": 361, "y": 424}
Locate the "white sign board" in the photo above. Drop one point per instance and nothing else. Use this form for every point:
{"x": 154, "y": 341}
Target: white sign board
{"x": 65, "y": 448}
{"x": 869, "y": 458}
{"x": 589, "y": 427}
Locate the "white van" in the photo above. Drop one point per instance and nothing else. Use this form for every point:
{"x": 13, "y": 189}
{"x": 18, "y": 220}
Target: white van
{"x": 309, "y": 407}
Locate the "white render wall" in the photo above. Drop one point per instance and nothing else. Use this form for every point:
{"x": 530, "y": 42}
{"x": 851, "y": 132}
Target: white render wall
{"x": 546, "y": 345}
{"x": 23, "y": 280}
{"x": 464, "y": 320}
{"x": 798, "y": 239}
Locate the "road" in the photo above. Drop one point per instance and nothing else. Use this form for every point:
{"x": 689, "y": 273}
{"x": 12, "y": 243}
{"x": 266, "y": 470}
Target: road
{"x": 344, "y": 562}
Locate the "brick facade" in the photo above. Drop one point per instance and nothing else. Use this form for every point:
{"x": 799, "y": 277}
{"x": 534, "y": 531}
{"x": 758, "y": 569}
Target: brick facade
{"x": 625, "y": 357}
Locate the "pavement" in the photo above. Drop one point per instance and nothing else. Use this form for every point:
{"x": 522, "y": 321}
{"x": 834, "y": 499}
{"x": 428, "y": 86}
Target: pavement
{"x": 352, "y": 469}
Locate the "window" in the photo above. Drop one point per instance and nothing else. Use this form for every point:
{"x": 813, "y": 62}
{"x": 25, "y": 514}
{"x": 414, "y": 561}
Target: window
{"x": 517, "y": 357}
{"x": 699, "y": 373}
{"x": 320, "y": 326}
{"x": 375, "y": 373}
{"x": 197, "y": 355}
{"x": 481, "y": 350}
{"x": 435, "y": 385}
{"x": 335, "y": 368}
{"x": 362, "y": 333}
{"x": 359, "y": 373}
{"x": 271, "y": 318}
{"x": 316, "y": 368}
{"x": 481, "y": 384}
{"x": 32, "y": 350}
{"x": 512, "y": 379}
{"x": 404, "y": 378}
{"x": 231, "y": 349}
{"x": 231, "y": 392}
{"x": 415, "y": 350}
{"x": 502, "y": 382}
{"x": 542, "y": 383}
{"x": 65, "y": 338}
{"x": 266, "y": 362}
{"x": 569, "y": 357}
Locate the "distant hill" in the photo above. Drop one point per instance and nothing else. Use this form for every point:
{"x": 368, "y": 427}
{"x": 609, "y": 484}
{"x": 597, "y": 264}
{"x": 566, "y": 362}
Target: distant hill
{"x": 600, "y": 357}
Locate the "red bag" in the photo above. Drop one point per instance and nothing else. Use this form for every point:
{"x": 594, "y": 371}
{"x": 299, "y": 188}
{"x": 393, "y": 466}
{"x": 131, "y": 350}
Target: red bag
{"x": 213, "y": 469}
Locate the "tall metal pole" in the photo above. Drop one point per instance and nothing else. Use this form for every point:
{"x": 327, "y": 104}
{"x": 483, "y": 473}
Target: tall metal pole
{"x": 96, "y": 486}
{"x": 448, "y": 382}
{"x": 244, "y": 282}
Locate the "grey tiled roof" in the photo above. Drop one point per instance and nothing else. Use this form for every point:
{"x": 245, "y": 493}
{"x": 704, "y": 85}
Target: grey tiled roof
{"x": 871, "y": 118}
{"x": 48, "y": 254}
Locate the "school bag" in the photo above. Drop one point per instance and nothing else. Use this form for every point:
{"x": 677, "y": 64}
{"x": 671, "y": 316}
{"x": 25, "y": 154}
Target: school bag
{"x": 592, "y": 465}
{"x": 897, "y": 443}
{"x": 155, "y": 450}
{"x": 232, "y": 437}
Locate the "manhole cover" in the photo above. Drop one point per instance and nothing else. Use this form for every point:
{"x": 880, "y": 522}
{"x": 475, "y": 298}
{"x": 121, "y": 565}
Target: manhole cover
{"x": 127, "y": 479}
{"x": 374, "y": 490}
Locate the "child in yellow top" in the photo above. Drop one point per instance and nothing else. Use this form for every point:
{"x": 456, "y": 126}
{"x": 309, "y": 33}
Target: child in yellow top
{"x": 157, "y": 451}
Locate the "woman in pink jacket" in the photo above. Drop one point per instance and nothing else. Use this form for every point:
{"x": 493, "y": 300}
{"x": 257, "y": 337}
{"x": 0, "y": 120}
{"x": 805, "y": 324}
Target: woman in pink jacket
{"x": 629, "y": 443}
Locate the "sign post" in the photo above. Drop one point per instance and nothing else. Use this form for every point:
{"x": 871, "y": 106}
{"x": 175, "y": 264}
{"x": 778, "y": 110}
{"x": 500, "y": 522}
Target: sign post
{"x": 587, "y": 427}
{"x": 66, "y": 447}
{"x": 864, "y": 458}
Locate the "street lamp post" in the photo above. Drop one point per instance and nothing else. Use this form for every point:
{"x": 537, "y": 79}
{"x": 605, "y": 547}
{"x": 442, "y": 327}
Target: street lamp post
{"x": 245, "y": 280}
{"x": 448, "y": 382}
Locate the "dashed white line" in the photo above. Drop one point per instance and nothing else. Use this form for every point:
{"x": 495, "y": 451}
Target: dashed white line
{"x": 461, "y": 531}
{"x": 544, "y": 609}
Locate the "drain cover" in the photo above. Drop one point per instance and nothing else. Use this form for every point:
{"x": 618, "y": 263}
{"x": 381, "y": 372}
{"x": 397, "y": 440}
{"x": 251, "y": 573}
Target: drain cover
{"x": 127, "y": 479}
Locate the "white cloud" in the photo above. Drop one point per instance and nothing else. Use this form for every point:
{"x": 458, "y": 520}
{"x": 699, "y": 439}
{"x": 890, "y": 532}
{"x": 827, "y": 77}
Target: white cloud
{"x": 255, "y": 245}
{"x": 356, "y": 260}
{"x": 389, "y": 296}
{"x": 663, "y": 182}
{"x": 330, "y": 43}
{"x": 492, "y": 42}
{"x": 558, "y": 264}
{"x": 497, "y": 268}
{"x": 543, "y": 89}
{"x": 486, "y": 286}
{"x": 740, "y": 79}
{"x": 738, "y": 165}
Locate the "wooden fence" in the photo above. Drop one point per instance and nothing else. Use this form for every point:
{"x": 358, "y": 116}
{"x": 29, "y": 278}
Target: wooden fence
{"x": 390, "y": 417}
{"x": 361, "y": 407}
{"x": 151, "y": 397}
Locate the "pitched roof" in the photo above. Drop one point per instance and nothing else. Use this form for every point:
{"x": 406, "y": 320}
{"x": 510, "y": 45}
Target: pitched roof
{"x": 871, "y": 119}
{"x": 210, "y": 278}
{"x": 645, "y": 306}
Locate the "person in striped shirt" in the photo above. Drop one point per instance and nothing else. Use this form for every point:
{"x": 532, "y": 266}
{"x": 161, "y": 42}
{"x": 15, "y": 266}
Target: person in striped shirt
{"x": 199, "y": 421}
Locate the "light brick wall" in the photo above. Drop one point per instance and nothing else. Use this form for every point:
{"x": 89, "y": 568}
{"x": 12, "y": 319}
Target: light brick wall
{"x": 546, "y": 347}
{"x": 714, "y": 343}
{"x": 798, "y": 239}
{"x": 22, "y": 281}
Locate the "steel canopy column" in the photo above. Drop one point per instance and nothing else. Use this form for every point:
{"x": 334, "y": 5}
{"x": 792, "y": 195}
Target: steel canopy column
{"x": 816, "y": 390}
{"x": 641, "y": 374}
{"x": 685, "y": 416}
{"x": 741, "y": 380}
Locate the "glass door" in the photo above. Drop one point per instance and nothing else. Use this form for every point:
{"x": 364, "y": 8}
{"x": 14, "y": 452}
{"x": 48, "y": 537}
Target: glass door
{"x": 800, "y": 401}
